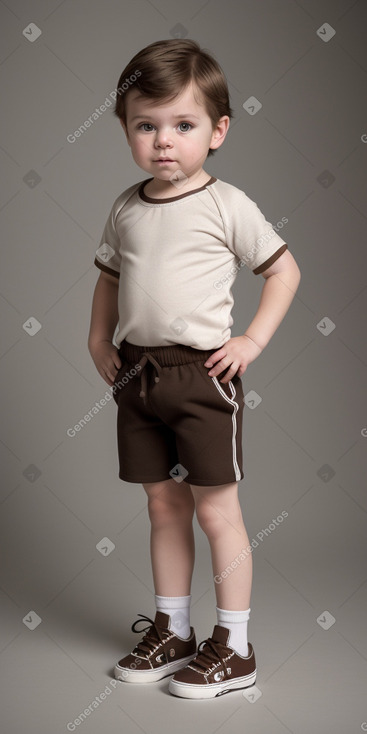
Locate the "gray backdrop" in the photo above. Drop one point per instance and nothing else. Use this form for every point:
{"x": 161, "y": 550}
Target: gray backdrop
{"x": 75, "y": 539}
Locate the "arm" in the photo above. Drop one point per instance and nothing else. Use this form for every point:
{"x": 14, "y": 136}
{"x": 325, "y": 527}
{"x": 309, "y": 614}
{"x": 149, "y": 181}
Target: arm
{"x": 281, "y": 282}
{"x": 104, "y": 319}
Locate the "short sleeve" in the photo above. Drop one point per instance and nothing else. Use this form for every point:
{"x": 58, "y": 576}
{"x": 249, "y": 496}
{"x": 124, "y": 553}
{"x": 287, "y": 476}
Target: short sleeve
{"x": 108, "y": 257}
{"x": 251, "y": 237}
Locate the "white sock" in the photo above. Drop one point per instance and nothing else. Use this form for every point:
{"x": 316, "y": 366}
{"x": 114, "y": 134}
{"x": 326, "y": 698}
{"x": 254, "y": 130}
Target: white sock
{"x": 236, "y": 622}
{"x": 178, "y": 608}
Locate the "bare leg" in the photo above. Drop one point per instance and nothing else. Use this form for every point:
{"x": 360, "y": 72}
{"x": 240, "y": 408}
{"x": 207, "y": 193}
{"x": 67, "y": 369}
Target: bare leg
{"x": 219, "y": 514}
{"x": 172, "y": 547}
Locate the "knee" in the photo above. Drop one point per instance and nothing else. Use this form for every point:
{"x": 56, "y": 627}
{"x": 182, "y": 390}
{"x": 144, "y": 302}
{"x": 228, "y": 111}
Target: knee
{"x": 214, "y": 522}
{"x": 209, "y": 519}
{"x": 169, "y": 508}
{"x": 163, "y": 513}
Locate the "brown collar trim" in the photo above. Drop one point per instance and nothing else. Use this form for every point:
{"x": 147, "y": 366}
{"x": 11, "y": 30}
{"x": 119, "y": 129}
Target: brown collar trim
{"x": 152, "y": 200}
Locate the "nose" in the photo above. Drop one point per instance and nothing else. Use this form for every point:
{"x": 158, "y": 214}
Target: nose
{"x": 163, "y": 139}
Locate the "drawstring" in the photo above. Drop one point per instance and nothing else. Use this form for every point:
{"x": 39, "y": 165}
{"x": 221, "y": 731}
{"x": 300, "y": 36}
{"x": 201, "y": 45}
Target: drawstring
{"x": 143, "y": 376}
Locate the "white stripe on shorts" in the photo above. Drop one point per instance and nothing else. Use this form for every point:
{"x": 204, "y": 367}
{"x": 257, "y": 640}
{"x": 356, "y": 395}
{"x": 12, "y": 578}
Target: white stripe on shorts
{"x": 234, "y": 422}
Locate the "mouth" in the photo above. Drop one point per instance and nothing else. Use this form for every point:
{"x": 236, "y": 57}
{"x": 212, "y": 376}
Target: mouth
{"x": 164, "y": 160}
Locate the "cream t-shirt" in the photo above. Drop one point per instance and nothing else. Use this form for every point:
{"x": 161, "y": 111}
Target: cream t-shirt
{"x": 177, "y": 259}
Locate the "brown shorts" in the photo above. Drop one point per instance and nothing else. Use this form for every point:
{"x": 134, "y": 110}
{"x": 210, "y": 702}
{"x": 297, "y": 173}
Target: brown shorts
{"x": 173, "y": 420}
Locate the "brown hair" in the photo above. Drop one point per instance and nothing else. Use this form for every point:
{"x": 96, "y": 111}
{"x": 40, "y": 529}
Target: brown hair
{"x": 166, "y": 68}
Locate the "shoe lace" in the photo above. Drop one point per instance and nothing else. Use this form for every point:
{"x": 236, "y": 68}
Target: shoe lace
{"x": 153, "y": 635}
{"x": 210, "y": 654}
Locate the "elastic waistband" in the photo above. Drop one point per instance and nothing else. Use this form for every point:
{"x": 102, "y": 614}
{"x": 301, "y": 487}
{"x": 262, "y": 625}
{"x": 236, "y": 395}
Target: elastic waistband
{"x": 167, "y": 356}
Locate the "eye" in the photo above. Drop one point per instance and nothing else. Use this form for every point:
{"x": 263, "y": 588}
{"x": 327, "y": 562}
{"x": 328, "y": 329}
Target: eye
{"x": 145, "y": 123}
{"x": 186, "y": 123}
{"x": 149, "y": 124}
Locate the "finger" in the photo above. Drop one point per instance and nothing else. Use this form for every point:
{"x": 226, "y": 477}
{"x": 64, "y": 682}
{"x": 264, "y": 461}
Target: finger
{"x": 226, "y": 379}
{"x": 110, "y": 380}
{"x": 107, "y": 376}
{"x": 220, "y": 366}
{"x": 116, "y": 366}
{"x": 214, "y": 358}
{"x": 230, "y": 373}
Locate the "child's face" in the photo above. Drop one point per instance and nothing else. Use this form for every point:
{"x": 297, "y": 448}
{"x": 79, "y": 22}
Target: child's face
{"x": 158, "y": 134}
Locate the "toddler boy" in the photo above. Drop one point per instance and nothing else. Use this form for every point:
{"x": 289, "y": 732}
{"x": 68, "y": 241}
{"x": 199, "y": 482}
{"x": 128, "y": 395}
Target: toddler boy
{"x": 169, "y": 254}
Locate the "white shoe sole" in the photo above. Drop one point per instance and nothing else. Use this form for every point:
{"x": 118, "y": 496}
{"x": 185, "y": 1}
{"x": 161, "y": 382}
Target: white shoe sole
{"x": 126, "y": 675}
{"x": 210, "y": 690}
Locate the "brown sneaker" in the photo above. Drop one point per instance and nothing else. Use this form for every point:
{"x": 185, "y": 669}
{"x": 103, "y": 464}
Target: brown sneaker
{"x": 158, "y": 654}
{"x": 217, "y": 669}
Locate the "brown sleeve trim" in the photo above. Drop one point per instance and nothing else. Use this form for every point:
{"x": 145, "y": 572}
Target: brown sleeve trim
{"x": 110, "y": 271}
{"x": 270, "y": 260}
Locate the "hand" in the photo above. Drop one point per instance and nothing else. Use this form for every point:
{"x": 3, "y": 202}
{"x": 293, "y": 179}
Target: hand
{"x": 106, "y": 358}
{"x": 236, "y": 354}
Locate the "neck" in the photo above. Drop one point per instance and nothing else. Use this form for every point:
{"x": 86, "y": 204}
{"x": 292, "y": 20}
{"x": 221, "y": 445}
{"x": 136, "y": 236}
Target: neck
{"x": 165, "y": 187}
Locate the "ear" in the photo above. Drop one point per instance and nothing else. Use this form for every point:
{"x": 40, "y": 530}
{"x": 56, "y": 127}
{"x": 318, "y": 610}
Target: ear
{"x": 220, "y": 132}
